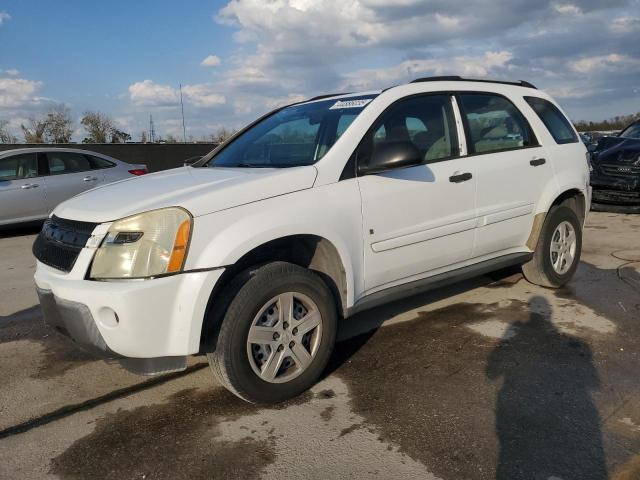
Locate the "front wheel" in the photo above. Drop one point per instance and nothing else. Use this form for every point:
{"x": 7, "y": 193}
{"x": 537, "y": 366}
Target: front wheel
{"x": 277, "y": 334}
{"x": 557, "y": 253}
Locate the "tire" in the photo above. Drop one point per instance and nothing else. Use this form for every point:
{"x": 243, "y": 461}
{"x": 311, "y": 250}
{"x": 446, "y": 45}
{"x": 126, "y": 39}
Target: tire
{"x": 255, "y": 306}
{"x": 540, "y": 269}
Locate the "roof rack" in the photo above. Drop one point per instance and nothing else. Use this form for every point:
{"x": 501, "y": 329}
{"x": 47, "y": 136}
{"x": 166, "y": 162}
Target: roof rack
{"x": 327, "y": 95}
{"x": 457, "y": 78}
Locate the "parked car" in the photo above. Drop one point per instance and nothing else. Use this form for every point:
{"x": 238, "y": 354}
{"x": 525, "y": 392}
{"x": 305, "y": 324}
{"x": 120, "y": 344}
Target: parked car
{"x": 615, "y": 171}
{"x": 33, "y": 181}
{"x": 314, "y": 212}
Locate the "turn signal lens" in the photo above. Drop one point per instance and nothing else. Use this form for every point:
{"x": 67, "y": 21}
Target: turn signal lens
{"x": 180, "y": 245}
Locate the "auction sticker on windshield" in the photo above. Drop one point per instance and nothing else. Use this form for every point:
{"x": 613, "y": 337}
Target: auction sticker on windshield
{"x": 359, "y": 103}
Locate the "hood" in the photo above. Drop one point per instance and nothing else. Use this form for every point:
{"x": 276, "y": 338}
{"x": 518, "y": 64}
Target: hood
{"x": 199, "y": 190}
{"x": 617, "y": 150}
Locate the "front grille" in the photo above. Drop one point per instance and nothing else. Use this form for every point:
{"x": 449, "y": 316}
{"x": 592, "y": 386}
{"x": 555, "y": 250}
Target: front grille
{"x": 60, "y": 241}
{"x": 620, "y": 169}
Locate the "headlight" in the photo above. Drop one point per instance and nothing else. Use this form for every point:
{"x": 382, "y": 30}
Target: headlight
{"x": 144, "y": 245}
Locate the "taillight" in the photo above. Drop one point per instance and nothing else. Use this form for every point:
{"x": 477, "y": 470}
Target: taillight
{"x": 138, "y": 171}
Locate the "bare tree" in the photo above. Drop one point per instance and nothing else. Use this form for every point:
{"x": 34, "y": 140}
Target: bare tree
{"x": 98, "y": 127}
{"x": 59, "y": 128}
{"x": 5, "y": 135}
{"x": 35, "y": 131}
{"x": 143, "y": 137}
{"x": 118, "y": 136}
{"x": 171, "y": 138}
{"x": 221, "y": 135}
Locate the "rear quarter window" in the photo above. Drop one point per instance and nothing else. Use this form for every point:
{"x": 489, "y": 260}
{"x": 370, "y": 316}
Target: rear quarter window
{"x": 557, "y": 124}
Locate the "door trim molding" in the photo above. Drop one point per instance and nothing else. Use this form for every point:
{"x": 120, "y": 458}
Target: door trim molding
{"x": 430, "y": 283}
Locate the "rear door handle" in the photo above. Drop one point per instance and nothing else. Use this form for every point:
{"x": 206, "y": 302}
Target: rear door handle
{"x": 29, "y": 185}
{"x": 460, "y": 177}
{"x": 537, "y": 161}
{"x": 89, "y": 179}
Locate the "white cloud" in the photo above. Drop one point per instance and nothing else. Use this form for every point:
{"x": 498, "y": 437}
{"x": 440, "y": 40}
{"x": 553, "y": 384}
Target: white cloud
{"x": 567, "y": 8}
{"x": 4, "y": 16}
{"x": 588, "y": 65}
{"x": 210, "y": 61}
{"x": 203, "y": 95}
{"x": 151, "y": 94}
{"x": 18, "y": 92}
{"x": 469, "y": 66}
{"x": 625, "y": 24}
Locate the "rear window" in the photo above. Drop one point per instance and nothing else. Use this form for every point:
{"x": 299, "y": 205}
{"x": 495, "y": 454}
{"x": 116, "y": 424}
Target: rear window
{"x": 557, "y": 124}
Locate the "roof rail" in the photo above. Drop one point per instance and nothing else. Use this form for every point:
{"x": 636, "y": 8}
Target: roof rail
{"x": 457, "y": 78}
{"x": 327, "y": 95}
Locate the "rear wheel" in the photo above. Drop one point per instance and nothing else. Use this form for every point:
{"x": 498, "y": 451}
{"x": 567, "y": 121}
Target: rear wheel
{"x": 557, "y": 253}
{"x": 277, "y": 334}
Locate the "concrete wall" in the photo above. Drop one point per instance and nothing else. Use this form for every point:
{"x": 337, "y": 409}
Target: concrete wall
{"x": 157, "y": 156}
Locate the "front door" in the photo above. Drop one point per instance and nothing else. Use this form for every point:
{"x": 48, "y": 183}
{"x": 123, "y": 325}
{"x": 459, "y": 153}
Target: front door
{"x": 22, "y": 195}
{"x": 419, "y": 219}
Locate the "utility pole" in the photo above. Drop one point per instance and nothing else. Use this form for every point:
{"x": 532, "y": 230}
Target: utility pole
{"x": 184, "y": 130}
{"x": 152, "y": 131}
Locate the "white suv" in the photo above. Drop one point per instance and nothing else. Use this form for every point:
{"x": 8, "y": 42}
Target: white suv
{"x": 314, "y": 212}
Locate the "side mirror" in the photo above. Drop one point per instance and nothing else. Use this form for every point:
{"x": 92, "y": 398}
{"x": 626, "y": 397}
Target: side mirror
{"x": 390, "y": 156}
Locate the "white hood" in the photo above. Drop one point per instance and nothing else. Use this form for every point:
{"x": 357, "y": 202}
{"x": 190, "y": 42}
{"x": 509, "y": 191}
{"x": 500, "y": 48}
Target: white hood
{"x": 199, "y": 190}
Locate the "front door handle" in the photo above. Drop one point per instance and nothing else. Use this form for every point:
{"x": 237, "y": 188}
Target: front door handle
{"x": 460, "y": 177}
{"x": 89, "y": 179}
{"x": 537, "y": 161}
{"x": 29, "y": 185}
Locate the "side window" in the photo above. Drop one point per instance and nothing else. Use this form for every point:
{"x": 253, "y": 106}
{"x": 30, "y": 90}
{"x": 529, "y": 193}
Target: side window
{"x": 557, "y": 124}
{"x": 494, "y": 123}
{"x": 17, "y": 167}
{"x": 66, "y": 162}
{"x": 425, "y": 121}
{"x": 98, "y": 163}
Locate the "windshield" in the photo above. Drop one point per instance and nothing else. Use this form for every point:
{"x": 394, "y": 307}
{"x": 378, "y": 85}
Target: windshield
{"x": 295, "y": 136}
{"x": 632, "y": 131}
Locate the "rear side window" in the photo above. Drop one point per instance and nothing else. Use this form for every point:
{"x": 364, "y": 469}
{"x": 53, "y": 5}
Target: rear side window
{"x": 97, "y": 162}
{"x": 557, "y": 124}
{"x": 18, "y": 167}
{"x": 494, "y": 123}
{"x": 65, "y": 162}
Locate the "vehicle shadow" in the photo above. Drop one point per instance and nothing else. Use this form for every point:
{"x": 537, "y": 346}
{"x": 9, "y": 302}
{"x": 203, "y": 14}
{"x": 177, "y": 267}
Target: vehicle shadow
{"x": 546, "y": 421}
{"x": 20, "y": 230}
{"x": 355, "y": 332}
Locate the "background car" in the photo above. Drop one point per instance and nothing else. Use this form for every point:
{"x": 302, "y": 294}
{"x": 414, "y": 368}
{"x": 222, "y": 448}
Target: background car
{"x": 33, "y": 181}
{"x": 615, "y": 171}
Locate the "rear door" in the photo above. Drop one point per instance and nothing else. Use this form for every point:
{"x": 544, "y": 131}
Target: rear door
{"x": 417, "y": 219}
{"x": 22, "y": 193}
{"x": 70, "y": 173}
{"x": 511, "y": 168}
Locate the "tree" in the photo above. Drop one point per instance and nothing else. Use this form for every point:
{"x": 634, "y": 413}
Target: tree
{"x": 143, "y": 137}
{"x": 101, "y": 129}
{"x": 118, "y": 136}
{"x": 171, "y": 139}
{"x": 59, "y": 125}
{"x": 98, "y": 127}
{"x": 5, "y": 135}
{"x": 221, "y": 135}
{"x": 35, "y": 131}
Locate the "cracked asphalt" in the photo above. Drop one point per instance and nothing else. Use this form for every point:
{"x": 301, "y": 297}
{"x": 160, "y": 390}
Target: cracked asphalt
{"x": 493, "y": 378}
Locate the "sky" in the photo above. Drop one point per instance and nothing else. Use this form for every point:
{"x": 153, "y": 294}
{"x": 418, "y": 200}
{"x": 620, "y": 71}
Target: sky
{"x": 238, "y": 59}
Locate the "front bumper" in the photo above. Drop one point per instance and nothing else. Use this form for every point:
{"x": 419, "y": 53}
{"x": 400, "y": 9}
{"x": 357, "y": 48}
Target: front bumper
{"x": 145, "y": 319}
